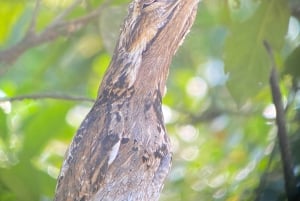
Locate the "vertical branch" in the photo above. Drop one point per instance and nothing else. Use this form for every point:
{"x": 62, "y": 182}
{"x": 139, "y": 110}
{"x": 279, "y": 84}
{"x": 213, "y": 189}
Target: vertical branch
{"x": 289, "y": 177}
{"x": 32, "y": 26}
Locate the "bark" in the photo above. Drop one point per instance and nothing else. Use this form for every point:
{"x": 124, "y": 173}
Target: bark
{"x": 121, "y": 150}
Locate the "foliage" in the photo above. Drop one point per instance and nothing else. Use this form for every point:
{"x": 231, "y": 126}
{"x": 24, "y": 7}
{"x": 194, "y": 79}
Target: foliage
{"x": 218, "y": 108}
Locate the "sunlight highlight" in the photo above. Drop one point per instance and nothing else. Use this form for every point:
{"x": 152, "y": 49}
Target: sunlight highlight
{"x": 170, "y": 116}
{"x": 5, "y": 106}
{"x": 196, "y": 87}
{"x": 187, "y": 133}
{"x": 214, "y": 72}
{"x": 269, "y": 112}
{"x": 293, "y": 29}
{"x": 76, "y": 115}
{"x": 190, "y": 153}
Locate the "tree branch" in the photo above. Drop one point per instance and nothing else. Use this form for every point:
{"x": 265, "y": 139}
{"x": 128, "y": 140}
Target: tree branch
{"x": 32, "y": 26}
{"x": 259, "y": 192}
{"x": 46, "y": 96}
{"x": 289, "y": 177}
{"x": 65, "y": 13}
{"x": 53, "y": 31}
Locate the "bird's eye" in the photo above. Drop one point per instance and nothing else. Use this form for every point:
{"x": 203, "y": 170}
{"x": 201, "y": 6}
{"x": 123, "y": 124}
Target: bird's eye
{"x": 148, "y": 3}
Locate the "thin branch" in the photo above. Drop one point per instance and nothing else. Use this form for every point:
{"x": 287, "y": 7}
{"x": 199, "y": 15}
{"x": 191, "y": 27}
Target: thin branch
{"x": 289, "y": 177}
{"x": 65, "y": 13}
{"x": 59, "y": 29}
{"x": 32, "y": 26}
{"x": 46, "y": 96}
{"x": 263, "y": 180}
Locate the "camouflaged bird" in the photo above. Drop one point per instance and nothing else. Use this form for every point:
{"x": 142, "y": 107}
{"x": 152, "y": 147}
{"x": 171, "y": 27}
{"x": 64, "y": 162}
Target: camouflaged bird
{"x": 121, "y": 150}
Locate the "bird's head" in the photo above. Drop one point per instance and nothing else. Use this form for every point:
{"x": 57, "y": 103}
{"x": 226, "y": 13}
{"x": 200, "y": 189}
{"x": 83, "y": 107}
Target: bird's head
{"x": 146, "y": 18}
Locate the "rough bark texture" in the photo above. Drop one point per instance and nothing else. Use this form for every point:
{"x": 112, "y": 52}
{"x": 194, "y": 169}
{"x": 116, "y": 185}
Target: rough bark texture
{"x": 121, "y": 150}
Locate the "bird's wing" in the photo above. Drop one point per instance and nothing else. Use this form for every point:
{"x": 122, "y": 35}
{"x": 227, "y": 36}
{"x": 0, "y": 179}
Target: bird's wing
{"x": 92, "y": 151}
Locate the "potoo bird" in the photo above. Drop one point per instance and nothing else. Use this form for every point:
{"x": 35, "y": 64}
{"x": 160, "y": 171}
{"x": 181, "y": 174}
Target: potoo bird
{"x": 121, "y": 150}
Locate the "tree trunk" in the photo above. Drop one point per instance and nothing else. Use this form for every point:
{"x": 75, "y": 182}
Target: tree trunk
{"x": 121, "y": 150}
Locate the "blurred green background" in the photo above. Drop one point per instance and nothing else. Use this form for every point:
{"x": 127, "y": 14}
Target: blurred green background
{"x": 218, "y": 108}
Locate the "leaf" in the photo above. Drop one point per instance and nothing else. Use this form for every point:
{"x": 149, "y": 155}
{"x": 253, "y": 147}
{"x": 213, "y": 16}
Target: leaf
{"x": 245, "y": 57}
{"x": 41, "y": 127}
{"x": 292, "y": 64}
{"x": 9, "y": 14}
{"x": 3, "y": 126}
{"x": 26, "y": 182}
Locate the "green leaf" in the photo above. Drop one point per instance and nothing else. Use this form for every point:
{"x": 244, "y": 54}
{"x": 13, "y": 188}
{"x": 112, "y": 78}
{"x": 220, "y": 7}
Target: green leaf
{"x": 245, "y": 57}
{"x": 9, "y": 14}
{"x": 43, "y": 126}
{"x": 26, "y": 182}
{"x": 3, "y": 126}
{"x": 292, "y": 64}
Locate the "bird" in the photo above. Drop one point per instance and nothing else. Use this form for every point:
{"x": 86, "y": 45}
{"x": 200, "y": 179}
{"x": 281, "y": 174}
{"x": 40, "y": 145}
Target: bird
{"x": 121, "y": 150}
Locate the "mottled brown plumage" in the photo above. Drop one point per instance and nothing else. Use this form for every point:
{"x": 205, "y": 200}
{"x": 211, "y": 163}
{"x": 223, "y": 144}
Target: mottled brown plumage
{"x": 121, "y": 150}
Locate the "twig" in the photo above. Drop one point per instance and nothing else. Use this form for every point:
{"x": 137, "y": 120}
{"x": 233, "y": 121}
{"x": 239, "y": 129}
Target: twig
{"x": 210, "y": 114}
{"x": 32, "y": 26}
{"x": 289, "y": 177}
{"x": 59, "y": 29}
{"x": 263, "y": 180}
{"x": 46, "y": 96}
{"x": 62, "y": 15}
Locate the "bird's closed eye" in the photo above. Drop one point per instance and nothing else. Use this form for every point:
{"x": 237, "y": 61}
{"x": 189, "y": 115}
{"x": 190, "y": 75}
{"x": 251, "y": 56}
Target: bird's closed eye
{"x": 148, "y": 3}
